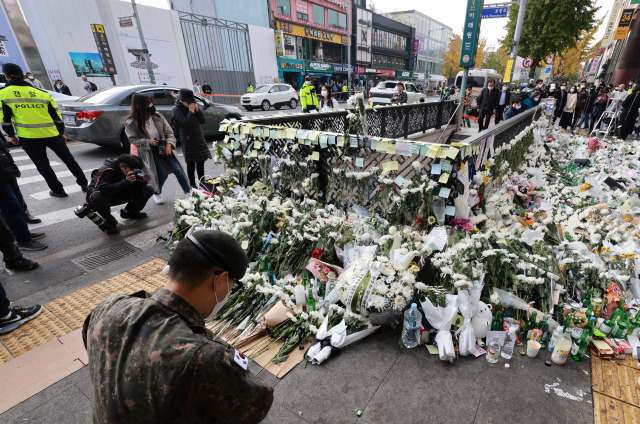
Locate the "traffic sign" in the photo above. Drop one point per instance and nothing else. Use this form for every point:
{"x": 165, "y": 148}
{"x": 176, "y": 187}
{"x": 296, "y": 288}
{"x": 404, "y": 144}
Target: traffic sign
{"x": 495, "y": 12}
{"x": 547, "y": 71}
{"x": 527, "y": 62}
{"x": 550, "y": 59}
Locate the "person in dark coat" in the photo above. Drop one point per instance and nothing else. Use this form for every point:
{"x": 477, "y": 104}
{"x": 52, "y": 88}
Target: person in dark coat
{"x": 487, "y": 104}
{"x": 503, "y": 102}
{"x": 515, "y": 109}
{"x": 62, "y": 88}
{"x": 599, "y": 107}
{"x": 561, "y": 102}
{"x": 187, "y": 119}
{"x": 629, "y": 113}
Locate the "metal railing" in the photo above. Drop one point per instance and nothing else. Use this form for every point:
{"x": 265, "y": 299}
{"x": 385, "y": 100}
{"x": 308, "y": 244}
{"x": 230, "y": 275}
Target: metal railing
{"x": 382, "y": 121}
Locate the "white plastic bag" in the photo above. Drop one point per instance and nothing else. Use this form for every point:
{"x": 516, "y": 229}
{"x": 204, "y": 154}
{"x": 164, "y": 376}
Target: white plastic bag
{"x": 441, "y": 318}
{"x": 467, "y": 305}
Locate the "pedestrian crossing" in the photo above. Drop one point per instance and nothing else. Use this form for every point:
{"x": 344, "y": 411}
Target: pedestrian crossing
{"x": 39, "y": 178}
{"x": 23, "y": 168}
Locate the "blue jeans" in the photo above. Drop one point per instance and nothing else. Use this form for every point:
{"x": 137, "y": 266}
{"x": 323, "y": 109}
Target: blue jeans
{"x": 172, "y": 163}
{"x": 12, "y": 210}
{"x": 585, "y": 119}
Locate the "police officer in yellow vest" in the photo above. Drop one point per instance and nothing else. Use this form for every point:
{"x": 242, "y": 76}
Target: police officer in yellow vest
{"x": 308, "y": 97}
{"x": 38, "y": 125}
{"x": 250, "y": 87}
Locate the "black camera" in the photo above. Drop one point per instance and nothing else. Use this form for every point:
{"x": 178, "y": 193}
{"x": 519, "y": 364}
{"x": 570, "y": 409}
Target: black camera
{"x": 162, "y": 146}
{"x": 140, "y": 175}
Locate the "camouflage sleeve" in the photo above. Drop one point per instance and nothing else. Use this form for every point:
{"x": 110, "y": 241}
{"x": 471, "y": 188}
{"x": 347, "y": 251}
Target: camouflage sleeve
{"x": 216, "y": 389}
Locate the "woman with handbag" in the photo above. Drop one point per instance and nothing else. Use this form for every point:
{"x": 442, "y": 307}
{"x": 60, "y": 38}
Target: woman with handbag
{"x": 187, "y": 119}
{"x": 153, "y": 137}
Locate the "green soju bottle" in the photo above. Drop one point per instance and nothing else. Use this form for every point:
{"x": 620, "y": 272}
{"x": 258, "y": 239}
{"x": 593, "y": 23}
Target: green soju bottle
{"x": 608, "y": 324}
{"x": 311, "y": 301}
{"x": 622, "y": 326}
{"x": 530, "y": 325}
{"x": 580, "y": 346}
{"x": 496, "y": 322}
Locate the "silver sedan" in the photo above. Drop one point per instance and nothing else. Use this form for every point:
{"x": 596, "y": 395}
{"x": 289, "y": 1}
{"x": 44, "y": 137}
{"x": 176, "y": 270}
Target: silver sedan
{"x": 99, "y": 117}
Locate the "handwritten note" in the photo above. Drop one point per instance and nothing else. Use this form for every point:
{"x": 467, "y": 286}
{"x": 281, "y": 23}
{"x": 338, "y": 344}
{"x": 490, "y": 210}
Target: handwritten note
{"x": 353, "y": 141}
{"x": 390, "y": 166}
{"x": 443, "y": 178}
{"x": 340, "y": 141}
{"x": 359, "y": 162}
{"x": 399, "y": 181}
{"x": 315, "y": 156}
{"x": 452, "y": 152}
{"x": 432, "y": 152}
{"x": 436, "y": 169}
{"x": 391, "y": 149}
{"x": 331, "y": 139}
{"x": 450, "y": 210}
{"x": 446, "y": 165}
{"x": 444, "y": 192}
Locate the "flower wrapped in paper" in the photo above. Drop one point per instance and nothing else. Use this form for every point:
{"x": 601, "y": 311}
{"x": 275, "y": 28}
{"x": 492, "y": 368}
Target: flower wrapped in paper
{"x": 441, "y": 319}
{"x": 467, "y": 305}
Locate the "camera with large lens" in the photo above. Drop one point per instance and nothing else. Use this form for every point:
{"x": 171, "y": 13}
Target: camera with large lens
{"x": 140, "y": 175}
{"x": 162, "y": 146}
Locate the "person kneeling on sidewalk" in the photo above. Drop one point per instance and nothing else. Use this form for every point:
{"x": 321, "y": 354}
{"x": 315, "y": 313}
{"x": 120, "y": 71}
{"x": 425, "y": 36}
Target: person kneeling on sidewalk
{"x": 117, "y": 182}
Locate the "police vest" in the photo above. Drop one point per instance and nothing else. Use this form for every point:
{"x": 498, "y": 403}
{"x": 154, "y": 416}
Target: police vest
{"x": 30, "y": 111}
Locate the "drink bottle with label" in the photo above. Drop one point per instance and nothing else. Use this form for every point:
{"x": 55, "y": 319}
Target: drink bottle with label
{"x": 589, "y": 312}
{"x": 411, "y": 328}
{"x": 493, "y": 351}
{"x": 579, "y": 347}
{"x": 496, "y": 322}
{"x": 561, "y": 349}
{"x": 622, "y": 326}
{"x": 311, "y": 301}
{"x": 509, "y": 343}
{"x": 530, "y": 325}
{"x": 608, "y": 324}
{"x": 555, "y": 336}
{"x": 544, "y": 327}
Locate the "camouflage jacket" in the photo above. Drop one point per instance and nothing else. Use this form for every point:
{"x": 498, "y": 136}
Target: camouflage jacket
{"x": 152, "y": 360}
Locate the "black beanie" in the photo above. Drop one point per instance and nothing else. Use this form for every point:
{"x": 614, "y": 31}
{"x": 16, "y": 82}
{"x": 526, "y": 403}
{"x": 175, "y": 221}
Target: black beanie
{"x": 222, "y": 250}
{"x": 131, "y": 161}
{"x": 12, "y": 70}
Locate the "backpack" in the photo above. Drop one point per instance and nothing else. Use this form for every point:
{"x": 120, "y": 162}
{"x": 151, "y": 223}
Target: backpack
{"x": 93, "y": 87}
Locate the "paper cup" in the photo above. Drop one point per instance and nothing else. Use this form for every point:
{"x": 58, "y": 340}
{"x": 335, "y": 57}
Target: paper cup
{"x": 532, "y": 348}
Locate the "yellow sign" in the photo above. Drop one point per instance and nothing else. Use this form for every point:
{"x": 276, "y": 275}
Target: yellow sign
{"x": 97, "y": 28}
{"x": 624, "y": 24}
{"x": 279, "y": 43}
{"x": 306, "y": 32}
{"x": 507, "y": 72}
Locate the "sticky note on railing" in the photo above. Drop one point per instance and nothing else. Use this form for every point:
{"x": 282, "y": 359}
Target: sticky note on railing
{"x": 254, "y": 153}
{"x": 257, "y": 144}
{"x": 353, "y": 141}
{"x": 424, "y": 150}
{"x": 315, "y": 156}
{"x": 436, "y": 169}
{"x": 444, "y": 192}
{"x": 236, "y": 144}
{"x": 301, "y": 134}
{"x": 331, "y": 139}
{"x": 442, "y": 153}
{"x": 399, "y": 181}
{"x": 340, "y": 141}
{"x": 374, "y": 144}
{"x": 446, "y": 165}
{"x": 257, "y": 132}
{"x": 382, "y": 146}
{"x": 323, "y": 141}
{"x": 359, "y": 162}
{"x": 267, "y": 145}
{"x": 452, "y": 152}
{"x": 313, "y": 135}
{"x": 450, "y": 210}
{"x": 245, "y": 129}
{"x": 391, "y": 149}
{"x": 390, "y": 166}
{"x": 279, "y": 134}
{"x": 290, "y": 133}
{"x": 223, "y": 127}
{"x": 443, "y": 178}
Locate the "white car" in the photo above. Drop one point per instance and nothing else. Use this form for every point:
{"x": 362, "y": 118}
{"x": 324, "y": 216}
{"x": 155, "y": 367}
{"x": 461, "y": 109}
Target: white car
{"x": 382, "y": 93}
{"x": 270, "y": 95}
{"x": 59, "y": 97}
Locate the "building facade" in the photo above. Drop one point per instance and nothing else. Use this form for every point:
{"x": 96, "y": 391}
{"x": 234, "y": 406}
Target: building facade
{"x": 613, "y": 44}
{"x": 311, "y": 39}
{"x": 431, "y": 40}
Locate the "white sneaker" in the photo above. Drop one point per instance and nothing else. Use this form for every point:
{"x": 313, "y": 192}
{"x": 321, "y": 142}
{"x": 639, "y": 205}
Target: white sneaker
{"x": 158, "y": 199}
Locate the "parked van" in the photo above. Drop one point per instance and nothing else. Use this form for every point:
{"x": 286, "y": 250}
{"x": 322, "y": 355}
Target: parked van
{"x": 478, "y": 79}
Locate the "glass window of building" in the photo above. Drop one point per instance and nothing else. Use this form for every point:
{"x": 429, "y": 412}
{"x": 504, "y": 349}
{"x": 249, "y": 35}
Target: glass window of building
{"x": 318, "y": 14}
{"x": 337, "y": 19}
{"x": 303, "y": 16}
{"x": 284, "y": 7}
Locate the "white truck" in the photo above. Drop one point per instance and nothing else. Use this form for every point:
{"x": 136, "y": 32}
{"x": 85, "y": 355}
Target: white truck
{"x": 382, "y": 93}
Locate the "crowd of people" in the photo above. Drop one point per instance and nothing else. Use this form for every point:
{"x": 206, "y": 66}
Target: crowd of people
{"x": 577, "y": 107}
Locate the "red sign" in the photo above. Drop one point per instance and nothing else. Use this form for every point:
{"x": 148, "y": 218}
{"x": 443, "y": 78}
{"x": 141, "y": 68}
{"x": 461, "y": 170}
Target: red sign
{"x": 305, "y": 9}
{"x": 527, "y": 62}
{"x": 359, "y": 70}
{"x": 385, "y": 73}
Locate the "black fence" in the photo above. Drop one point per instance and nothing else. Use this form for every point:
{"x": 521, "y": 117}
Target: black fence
{"x": 382, "y": 121}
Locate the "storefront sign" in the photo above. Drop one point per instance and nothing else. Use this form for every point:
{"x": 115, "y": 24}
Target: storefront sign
{"x": 279, "y": 43}
{"x": 319, "y": 67}
{"x": 404, "y": 74}
{"x": 316, "y": 34}
{"x": 300, "y": 12}
{"x": 470, "y": 33}
{"x": 290, "y": 64}
{"x": 624, "y": 24}
{"x": 363, "y": 35}
{"x": 370, "y": 71}
{"x": 596, "y": 62}
{"x": 418, "y": 45}
{"x": 612, "y": 20}
{"x": 103, "y": 48}
{"x": 344, "y": 69}
{"x": 385, "y": 73}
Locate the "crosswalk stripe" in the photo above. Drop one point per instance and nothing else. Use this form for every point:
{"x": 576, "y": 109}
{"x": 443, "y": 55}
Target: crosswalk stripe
{"x": 41, "y": 195}
{"x": 28, "y": 167}
{"x": 19, "y": 158}
{"x": 67, "y": 214}
{"x": 37, "y": 178}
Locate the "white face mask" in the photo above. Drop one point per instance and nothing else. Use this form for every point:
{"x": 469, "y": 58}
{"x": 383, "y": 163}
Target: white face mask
{"x": 517, "y": 107}
{"x": 324, "y": 93}
{"x": 30, "y": 77}
{"x": 504, "y": 88}
{"x": 582, "y": 86}
{"x": 563, "y": 88}
{"x": 219, "y": 304}
{"x": 573, "y": 90}
{"x": 538, "y": 86}
{"x": 490, "y": 87}
{"x": 536, "y": 98}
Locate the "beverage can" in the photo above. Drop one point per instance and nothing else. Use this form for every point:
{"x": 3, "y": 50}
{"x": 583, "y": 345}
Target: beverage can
{"x": 536, "y": 335}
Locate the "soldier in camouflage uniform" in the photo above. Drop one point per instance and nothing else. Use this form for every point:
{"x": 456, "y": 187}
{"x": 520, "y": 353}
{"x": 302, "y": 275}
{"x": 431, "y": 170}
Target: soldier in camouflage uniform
{"x": 152, "y": 360}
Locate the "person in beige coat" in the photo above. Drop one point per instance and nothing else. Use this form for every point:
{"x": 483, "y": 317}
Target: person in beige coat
{"x": 145, "y": 127}
{"x": 569, "y": 108}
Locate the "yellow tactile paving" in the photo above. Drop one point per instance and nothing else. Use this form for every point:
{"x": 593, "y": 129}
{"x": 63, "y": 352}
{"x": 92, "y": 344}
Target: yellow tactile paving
{"x": 615, "y": 396}
{"x": 607, "y": 410}
{"x": 149, "y": 268}
{"x": 34, "y": 333}
{"x": 158, "y": 280}
{"x": 74, "y": 308}
{"x": 124, "y": 283}
{"x": 4, "y": 354}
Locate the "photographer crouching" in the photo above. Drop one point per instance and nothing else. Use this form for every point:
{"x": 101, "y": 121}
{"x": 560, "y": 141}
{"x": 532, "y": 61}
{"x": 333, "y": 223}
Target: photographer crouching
{"x": 117, "y": 182}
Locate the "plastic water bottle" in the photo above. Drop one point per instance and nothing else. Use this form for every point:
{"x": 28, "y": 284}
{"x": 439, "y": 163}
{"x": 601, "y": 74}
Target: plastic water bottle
{"x": 411, "y": 328}
{"x": 509, "y": 343}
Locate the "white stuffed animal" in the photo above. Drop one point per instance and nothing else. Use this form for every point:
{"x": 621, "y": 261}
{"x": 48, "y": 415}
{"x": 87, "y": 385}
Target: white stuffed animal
{"x": 481, "y": 322}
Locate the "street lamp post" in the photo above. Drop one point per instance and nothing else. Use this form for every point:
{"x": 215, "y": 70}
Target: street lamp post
{"x": 426, "y": 55}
